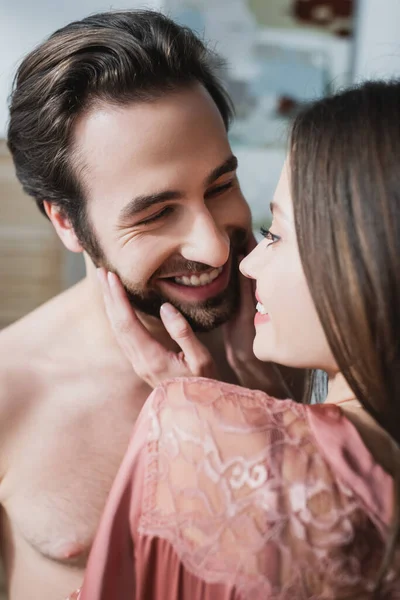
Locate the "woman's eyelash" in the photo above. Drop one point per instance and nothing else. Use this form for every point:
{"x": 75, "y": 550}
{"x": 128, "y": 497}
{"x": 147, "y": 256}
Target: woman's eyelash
{"x": 269, "y": 235}
{"x": 163, "y": 213}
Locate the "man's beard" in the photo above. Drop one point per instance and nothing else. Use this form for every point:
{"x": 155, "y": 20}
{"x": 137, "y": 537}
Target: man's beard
{"x": 201, "y": 316}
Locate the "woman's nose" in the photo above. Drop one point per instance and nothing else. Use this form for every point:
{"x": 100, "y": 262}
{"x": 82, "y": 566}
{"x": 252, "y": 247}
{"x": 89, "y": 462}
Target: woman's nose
{"x": 249, "y": 265}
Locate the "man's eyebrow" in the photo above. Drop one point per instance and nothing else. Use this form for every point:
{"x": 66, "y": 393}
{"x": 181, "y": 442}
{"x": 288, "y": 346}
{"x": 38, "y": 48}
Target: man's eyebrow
{"x": 141, "y": 203}
{"x": 230, "y": 164}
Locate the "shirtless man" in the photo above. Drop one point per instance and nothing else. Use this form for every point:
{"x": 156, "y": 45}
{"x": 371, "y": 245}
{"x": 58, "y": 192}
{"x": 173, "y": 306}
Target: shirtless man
{"x": 118, "y": 131}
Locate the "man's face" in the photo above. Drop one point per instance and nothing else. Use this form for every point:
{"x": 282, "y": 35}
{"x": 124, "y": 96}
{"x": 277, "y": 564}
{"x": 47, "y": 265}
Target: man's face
{"x": 164, "y": 203}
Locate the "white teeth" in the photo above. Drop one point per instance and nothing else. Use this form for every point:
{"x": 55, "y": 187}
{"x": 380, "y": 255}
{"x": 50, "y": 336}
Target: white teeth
{"x": 198, "y": 280}
{"x": 204, "y": 278}
{"x": 260, "y": 308}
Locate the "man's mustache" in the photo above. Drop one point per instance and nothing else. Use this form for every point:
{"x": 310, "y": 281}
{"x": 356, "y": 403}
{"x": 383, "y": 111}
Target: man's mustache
{"x": 187, "y": 266}
{"x": 238, "y": 241}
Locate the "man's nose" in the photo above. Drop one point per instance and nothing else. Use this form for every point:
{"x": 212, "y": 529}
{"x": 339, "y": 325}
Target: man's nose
{"x": 206, "y": 242}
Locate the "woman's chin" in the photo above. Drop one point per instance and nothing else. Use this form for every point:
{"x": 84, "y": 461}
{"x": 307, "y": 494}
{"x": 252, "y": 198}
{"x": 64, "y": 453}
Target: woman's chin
{"x": 264, "y": 350}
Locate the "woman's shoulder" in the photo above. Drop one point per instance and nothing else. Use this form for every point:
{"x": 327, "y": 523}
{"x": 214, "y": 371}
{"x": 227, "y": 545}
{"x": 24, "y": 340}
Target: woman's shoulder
{"x": 242, "y": 479}
{"x": 223, "y": 437}
{"x": 345, "y": 450}
{"x": 226, "y": 420}
{"x": 247, "y": 438}
{"x": 226, "y": 402}
{"x": 238, "y": 410}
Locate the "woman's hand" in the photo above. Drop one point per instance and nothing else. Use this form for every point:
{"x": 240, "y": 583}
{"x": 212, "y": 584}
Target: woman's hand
{"x": 150, "y": 360}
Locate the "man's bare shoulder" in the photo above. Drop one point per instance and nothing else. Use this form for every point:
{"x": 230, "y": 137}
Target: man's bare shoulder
{"x": 24, "y": 347}
{"x": 19, "y": 381}
{"x": 30, "y": 332}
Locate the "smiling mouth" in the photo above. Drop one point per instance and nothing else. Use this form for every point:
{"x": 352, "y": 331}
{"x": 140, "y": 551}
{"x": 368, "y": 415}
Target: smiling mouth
{"x": 261, "y": 309}
{"x": 198, "y": 280}
{"x": 199, "y": 286}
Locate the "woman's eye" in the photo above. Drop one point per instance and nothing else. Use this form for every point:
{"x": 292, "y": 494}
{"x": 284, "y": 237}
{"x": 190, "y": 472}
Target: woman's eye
{"x": 163, "y": 213}
{"x": 269, "y": 236}
{"x": 220, "y": 189}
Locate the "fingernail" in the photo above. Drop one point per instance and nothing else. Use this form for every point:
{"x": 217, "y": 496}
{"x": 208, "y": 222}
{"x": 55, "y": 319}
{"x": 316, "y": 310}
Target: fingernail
{"x": 168, "y": 311}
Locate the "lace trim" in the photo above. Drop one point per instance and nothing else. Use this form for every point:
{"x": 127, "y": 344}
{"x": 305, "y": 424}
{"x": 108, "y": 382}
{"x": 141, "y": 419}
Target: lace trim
{"x": 269, "y": 521}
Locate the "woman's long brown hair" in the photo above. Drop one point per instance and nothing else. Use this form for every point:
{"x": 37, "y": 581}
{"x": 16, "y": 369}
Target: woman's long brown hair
{"x": 345, "y": 180}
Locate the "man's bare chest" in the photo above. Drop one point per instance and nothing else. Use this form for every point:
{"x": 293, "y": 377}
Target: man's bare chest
{"x": 63, "y": 468}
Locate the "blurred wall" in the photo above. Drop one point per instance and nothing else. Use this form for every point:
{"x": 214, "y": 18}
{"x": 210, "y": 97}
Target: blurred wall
{"x": 24, "y": 23}
{"x": 377, "y": 52}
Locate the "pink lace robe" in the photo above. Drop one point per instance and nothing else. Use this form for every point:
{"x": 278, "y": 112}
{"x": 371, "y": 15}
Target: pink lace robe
{"x": 227, "y": 493}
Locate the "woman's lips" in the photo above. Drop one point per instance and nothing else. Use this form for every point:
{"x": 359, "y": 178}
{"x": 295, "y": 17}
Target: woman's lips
{"x": 259, "y": 318}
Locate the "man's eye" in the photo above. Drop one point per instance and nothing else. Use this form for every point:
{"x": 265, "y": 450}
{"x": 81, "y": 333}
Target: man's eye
{"x": 163, "y": 213}
{"x": 269, "y": 236}
{"x": 220, "y": 189}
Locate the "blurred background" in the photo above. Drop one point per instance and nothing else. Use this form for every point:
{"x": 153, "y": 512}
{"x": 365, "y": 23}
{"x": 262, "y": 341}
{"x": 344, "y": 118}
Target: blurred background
{"x": 279, "y": 53}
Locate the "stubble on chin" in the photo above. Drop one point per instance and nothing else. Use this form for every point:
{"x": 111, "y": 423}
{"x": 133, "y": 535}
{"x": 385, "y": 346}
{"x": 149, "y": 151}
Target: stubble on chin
{"x": 201, "y": 317}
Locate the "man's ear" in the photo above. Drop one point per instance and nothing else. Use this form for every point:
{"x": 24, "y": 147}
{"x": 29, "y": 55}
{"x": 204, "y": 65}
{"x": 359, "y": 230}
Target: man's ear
{"x": 63, "y": 227}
